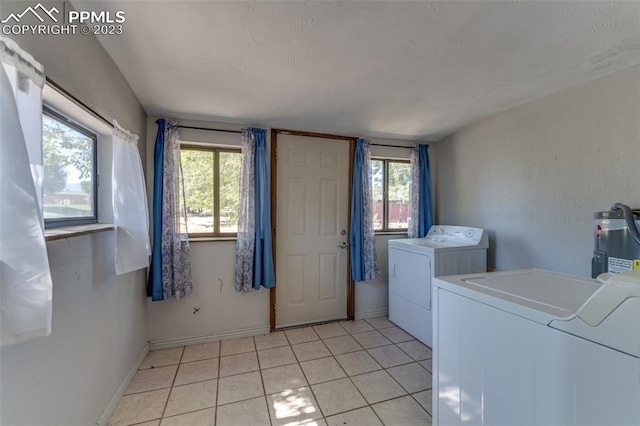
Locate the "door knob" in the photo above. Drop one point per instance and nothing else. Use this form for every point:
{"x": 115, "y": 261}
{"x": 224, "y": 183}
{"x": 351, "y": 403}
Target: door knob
{"x": 342, "y": 245}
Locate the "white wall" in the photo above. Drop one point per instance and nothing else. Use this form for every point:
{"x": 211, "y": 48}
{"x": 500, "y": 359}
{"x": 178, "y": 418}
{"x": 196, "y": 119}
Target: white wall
{"x": 222, "y": 312}
{"x": 534, "y": 175}
{"x": 99, "y": 319}
{"x": 372, "y": 297}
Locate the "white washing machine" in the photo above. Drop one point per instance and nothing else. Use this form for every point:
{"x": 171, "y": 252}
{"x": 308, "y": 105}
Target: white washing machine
{"x": 533, "y": 347}
{"x": 413, "y": 262}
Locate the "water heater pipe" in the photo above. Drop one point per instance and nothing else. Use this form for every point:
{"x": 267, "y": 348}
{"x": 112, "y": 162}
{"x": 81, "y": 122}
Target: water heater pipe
{"x": 628, "y": 217}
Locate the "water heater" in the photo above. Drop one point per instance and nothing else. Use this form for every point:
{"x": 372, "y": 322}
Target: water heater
{"x": 617, "y": 240}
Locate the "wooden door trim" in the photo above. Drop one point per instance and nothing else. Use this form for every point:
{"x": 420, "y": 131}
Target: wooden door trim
{"x": 274, "y": 189}
{"x": 313, "y": 135}
{"x": 351, "y": 287}
{"x": 274, "y": 241}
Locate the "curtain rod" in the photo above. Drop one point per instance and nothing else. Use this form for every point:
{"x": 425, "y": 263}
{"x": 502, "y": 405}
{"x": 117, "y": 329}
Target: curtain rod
{"x": 77, "y": 101}
{"x": 210, "y": 129}
{"x": 239, "y": 131}
{"x": 392, "y": 146}
{"x": 90, "y": 110}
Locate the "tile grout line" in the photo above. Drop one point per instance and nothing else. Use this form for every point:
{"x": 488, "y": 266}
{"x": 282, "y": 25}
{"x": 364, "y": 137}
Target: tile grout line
{"x": 190, "y": 383}
{"x": 354, "y": 385}
{"x": 311, "y": 390}
{"x": 418, "y": 402}
{"x": 172, "y": 383}
{"x": 306, "y": 378}
{"x": 393, "y": 378}
{"x": 412, "y": 361}
{"x": 359, "y": 392}
{"x": 300, "y": 367}
{"x": 385, "y": 370}
{"x": 264, "y": 388}
{"x": 305, "y": 375}
{"x": 357, "y": 389}
{"x": 181, "y": 414}
{"x": 215, "y": 419}
{"x": 402, "y": 387}
{"x": 347, "y": 377}
{"x": 324, "y": 416}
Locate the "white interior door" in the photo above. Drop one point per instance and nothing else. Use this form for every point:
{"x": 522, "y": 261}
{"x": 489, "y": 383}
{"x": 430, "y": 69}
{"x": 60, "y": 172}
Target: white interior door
{"x": 311, "y": 229}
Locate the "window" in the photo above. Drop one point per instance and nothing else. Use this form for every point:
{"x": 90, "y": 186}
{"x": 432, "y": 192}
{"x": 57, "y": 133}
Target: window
{"x": 391, "y": 187}
{"x": 212, "y": 190}
{"x": 69, "y": 172}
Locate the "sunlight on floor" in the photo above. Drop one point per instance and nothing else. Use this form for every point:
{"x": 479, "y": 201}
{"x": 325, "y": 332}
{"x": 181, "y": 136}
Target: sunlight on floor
{"x": 295, "y": 406}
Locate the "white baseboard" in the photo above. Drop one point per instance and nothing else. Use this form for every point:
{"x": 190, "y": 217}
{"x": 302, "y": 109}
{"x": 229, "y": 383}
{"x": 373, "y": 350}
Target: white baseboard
{"x": 117, "y": 396}
{"x": 371, "y": 314}
{"x": 232, "y": 334}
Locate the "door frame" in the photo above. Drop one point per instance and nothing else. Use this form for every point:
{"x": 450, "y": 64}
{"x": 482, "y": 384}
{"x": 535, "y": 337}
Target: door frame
{"x": 274, "y": 181}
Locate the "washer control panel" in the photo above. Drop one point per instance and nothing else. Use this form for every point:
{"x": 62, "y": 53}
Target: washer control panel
{"x": 455, "y": 234}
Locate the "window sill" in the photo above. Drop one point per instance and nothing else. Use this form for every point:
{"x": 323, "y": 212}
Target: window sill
{"x": 76, "y": 231}
{"x": 207, "y": 239}
{"x": 399, "y": 232}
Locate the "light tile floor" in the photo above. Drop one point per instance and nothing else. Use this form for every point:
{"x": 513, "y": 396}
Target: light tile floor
{"x": 366, "y": 372}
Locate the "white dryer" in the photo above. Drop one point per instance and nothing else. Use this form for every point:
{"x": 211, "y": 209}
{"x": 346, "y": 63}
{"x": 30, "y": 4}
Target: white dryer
{"x": 413, "y": 262}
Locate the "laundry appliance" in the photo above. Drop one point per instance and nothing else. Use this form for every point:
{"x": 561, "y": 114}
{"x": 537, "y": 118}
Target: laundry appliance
{"x": 413, "y": 262}
{"x": 617, "y": 240}
{"x": 533, "y": 347}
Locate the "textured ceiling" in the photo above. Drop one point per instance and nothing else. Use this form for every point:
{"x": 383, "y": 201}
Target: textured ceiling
{"x": 408, "y": 70}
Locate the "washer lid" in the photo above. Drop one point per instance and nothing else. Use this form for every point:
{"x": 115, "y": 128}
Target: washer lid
{"x": 560, "y": 292}
{"x": 538, "y": 295}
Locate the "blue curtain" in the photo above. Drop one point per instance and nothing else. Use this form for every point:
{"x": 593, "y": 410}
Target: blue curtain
{"x": 254, "y": 255}
{"x": 170, "y": 274}
{"x": 263, "y": 272}
{"x": 425, "y": 210}
{"x": 154, "y": 284}
{"x": 364, "y": 265}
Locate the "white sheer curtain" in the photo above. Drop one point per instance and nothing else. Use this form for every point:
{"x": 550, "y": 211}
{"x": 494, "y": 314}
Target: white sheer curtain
{"x": 130, "y": 210}
{"x": 246, "y": 237}
{"x": 25, "y": 279}
{"x": 364, "y": 260}
{"x": 176, "y": 253}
